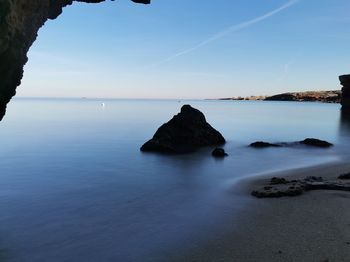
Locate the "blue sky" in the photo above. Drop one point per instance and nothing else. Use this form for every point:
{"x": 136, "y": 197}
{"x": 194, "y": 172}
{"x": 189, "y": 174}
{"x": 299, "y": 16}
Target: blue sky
{"x": 190, "y": 49}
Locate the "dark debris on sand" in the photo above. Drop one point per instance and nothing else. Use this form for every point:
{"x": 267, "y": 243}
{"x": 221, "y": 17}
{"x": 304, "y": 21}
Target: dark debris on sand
{"x": 280, "y": 187}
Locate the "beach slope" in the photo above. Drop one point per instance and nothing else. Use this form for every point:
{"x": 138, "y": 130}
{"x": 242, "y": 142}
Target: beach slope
{"x": 312, "y": 227}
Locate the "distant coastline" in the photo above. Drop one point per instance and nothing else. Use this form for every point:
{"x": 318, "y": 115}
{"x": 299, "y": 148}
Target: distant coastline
{"x": 333, "y": 96}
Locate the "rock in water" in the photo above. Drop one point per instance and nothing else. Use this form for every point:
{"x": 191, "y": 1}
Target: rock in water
{"x": 219, "y": 152}
{"x": 185, "y": 132}
{"x": 262, "y": 144}
{"x": 315, "y": 142}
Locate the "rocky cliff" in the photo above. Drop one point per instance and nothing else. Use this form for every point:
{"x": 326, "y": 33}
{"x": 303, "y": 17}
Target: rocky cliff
{"x": 20, "y": 21}
{"x": 308, "y": 96}
{"x": 345, "y": 100}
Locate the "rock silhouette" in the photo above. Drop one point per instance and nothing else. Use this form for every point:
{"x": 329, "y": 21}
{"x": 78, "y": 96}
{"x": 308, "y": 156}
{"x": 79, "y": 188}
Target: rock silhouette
{"x": 345, "y": 100}
{"x": 219, "y": 152}
{"x": 20, "y": 21}
{"x": 314, "y": 142}
{"x": 262, "y": 144}
{"x": 185, "y": 132}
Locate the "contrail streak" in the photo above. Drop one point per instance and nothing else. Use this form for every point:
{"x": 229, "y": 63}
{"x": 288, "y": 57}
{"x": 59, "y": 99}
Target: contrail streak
{"x": 230, "y": 30}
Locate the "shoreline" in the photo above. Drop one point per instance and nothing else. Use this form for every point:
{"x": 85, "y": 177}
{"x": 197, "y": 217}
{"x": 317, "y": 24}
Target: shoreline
{"x": 312, "y": 227}
{"x": 325, "y": 96}
{"x": 328, "y": 170}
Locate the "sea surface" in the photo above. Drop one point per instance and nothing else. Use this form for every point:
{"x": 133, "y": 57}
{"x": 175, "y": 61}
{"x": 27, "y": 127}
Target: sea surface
{"x": 74, "y": 185}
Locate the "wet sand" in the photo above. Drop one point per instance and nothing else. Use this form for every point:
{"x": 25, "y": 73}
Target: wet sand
{"x": 312, "y": 227}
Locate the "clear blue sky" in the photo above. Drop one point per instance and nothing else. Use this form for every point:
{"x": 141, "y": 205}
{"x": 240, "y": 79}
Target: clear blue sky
{"x": 190, "y": 49}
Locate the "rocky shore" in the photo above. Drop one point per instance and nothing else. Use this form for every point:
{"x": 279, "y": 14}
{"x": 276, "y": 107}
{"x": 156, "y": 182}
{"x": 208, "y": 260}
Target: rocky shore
{"x": 308, "y": 96}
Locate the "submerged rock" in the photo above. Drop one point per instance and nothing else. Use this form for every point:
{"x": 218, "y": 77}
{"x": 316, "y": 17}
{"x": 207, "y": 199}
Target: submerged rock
{"x": 219, "y": 152}
{"x": 185, "y": 132}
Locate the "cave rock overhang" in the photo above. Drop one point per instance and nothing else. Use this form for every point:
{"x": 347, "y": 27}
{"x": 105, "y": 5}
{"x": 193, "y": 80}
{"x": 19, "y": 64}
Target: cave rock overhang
{"x": 20, "y": 21}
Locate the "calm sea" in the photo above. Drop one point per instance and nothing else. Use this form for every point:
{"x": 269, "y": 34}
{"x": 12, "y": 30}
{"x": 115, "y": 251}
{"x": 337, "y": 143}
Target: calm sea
{"x": 75, "y": 187}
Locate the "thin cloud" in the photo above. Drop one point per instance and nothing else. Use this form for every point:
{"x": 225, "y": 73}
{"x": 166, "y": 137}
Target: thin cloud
{"x": 230, "y": 30}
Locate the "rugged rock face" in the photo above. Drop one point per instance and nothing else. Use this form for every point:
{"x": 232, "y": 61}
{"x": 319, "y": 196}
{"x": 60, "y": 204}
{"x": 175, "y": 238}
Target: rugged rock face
{"x": 20, "y": 21}
{"x": 185, "y": 132}
{"x": 345, "y": 100}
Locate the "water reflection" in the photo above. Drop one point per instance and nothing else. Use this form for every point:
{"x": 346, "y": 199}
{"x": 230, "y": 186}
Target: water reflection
{"x": 74, "y": 185}
{"x": 344, "y": 124}
{"x": 344, "y": 134}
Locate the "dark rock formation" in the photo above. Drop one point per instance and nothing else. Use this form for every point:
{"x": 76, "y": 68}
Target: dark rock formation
{"x": 185, "y": 132}
{"x": 307, "y": 142}
{"x": 344, "y": 176}
{"x": 262, "y": 144}
{"x": 345, "y": 100}
{"x": 20, "y": 21}
{"x": 281, "y": 97}
{"x": 279, "y": 187}
{"x": 219, "y": 152}
{"x": 315, "y": 142}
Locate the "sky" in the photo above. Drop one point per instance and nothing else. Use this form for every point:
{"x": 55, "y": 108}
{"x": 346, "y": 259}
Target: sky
{"x": 190, "y": 49}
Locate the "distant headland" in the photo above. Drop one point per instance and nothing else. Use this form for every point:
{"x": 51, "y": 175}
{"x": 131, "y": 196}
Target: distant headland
{"x": 333, "y": 96}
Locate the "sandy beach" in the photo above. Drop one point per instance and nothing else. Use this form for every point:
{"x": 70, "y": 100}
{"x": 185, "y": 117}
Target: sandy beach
{"x": 313, "y": 227}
